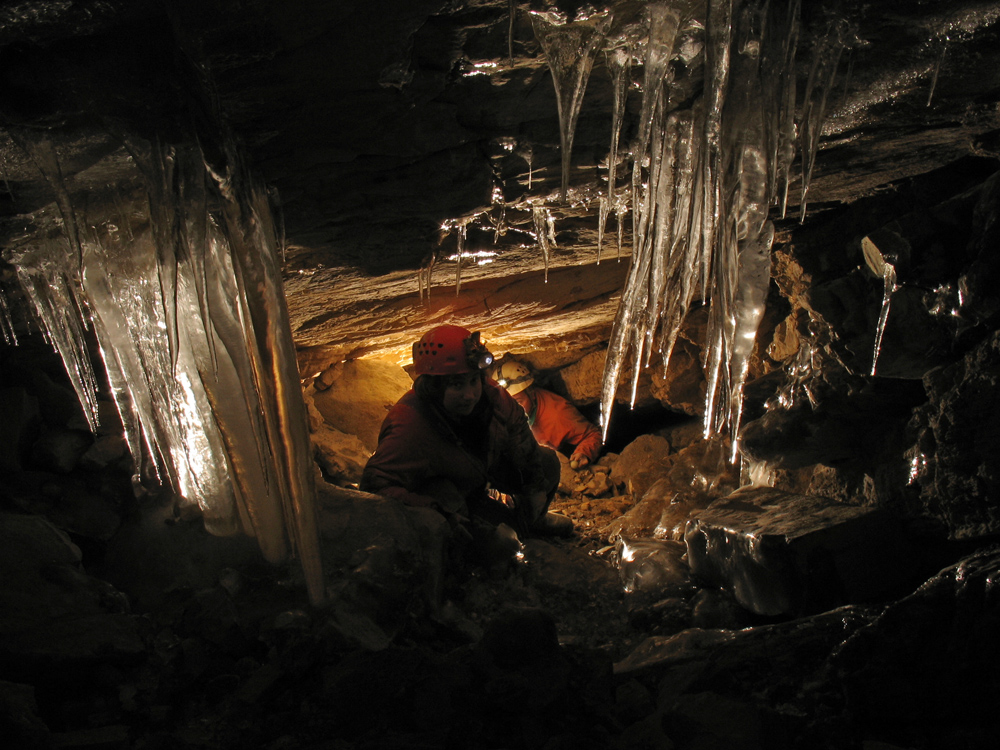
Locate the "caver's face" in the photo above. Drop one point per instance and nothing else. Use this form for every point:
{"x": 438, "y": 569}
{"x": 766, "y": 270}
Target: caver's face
{"x": 462, "y": 394}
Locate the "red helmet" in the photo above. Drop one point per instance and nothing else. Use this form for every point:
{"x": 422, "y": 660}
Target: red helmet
{"x": 450, "y": 350}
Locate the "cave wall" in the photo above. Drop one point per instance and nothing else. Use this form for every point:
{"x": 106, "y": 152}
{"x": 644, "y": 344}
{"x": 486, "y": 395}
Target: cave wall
{"x": 920, "y": 434}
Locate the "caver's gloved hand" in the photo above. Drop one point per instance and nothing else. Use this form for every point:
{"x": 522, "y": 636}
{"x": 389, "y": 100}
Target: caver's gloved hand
{"x": 450, "y": 504}
{"x": 545, "y": 522}
{"x": 578, "y": 461}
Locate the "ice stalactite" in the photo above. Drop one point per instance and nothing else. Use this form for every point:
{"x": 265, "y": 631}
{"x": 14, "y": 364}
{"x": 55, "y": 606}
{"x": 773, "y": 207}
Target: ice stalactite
{"x": 511, "y": 20}
{"x": 602, "y": 217}
{"x": 619, "y": 64}
{"x": 425, "y": 276}
{"x": 826, "y": 59}
{"x": 461, "y": 232}
{"x": 49, "y": 277}
{"x": 7, "y": 321}
{"x": 528, "y": 153}
{"x": 544, "y": 233}
{"x": 195, "y": 340}
{"x": 703, "y": 187}
{"x": 681, "y": 268}
{"x": 498, "y": 214}
{"x": 881, "y": 266}
{"x": 937, "y": 70}
{"x": 570, "y": 48}
{"x": 629, "y": 330}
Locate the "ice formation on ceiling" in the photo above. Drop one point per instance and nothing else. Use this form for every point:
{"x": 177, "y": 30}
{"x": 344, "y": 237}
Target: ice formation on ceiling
{"x": 704, "y": 179}
{"x": 700, "y": 180}
{"x": 179, "y": 284}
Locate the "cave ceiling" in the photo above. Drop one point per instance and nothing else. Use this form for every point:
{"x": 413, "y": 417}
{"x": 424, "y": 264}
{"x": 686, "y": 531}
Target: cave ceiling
{"x": 379, "y": 125}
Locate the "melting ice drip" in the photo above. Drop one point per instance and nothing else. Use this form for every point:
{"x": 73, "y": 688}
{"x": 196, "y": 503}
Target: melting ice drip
{"x": 703, "y": 184}
{"x": 181, "y": 286}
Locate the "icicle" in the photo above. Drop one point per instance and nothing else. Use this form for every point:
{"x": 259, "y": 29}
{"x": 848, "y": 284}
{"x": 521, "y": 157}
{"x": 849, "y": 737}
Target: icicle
{"x": 778, "y": 76}
{"x": 754, "y": 277}
{"x": 460, "y": 230}
{"x": 498, "y": 205}
{"x": 429, "y": 273}
{"x": 7, "y": 321}
{"x": 621, "y": 208}
{"x": 889, "y": 286}
{"x": 937, "y": 70}
{"x": 826, "y": 58}
{"x": 880, "y": 266}
{"x": 511, "y": 18}
{"x": 570, "y": 48}
{"x": 196, "y": 344}
{"x": 43, "y": 154}
{"x": 619, "y": 63}
{"x": 719, "y": 31}
{"x": 50, "y": 282}
{"x": 543, "y": 229}
{"x": 602, "y": 217}
{"x": 268, "y": 341}
{"x": 682, "y": 265}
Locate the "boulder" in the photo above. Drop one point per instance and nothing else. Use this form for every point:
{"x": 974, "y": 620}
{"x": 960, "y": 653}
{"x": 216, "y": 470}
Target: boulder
{"x": 785, "y": 554}
{"x": 955, "y": 461}
{"x": 354, "y": 396}
{"x": 383, "y": 558}
{"x": 640, "y": 463}
{"x": 54, "y": 617}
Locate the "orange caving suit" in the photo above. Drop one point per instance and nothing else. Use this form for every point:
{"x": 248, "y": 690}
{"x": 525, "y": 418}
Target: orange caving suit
{"x": 555, "y": 422}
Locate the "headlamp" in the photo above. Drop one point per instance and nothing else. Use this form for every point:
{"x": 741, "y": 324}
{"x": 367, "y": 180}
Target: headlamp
{"x": 477, "y": 355}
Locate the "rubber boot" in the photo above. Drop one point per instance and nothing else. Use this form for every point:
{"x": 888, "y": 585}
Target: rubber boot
{"x": 553, "y": 524}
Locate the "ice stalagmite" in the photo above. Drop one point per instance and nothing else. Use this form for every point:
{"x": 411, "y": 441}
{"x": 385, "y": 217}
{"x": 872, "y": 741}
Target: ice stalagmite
{"x": 570, "y": 48}
{"x": 196, "y": 343}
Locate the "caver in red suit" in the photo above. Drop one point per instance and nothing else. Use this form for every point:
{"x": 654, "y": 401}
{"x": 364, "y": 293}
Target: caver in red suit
{"x": 456, "y": 434}
{"x": 554, "y": 421}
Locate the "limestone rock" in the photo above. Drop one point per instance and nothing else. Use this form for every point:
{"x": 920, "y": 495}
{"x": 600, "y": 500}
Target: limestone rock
{"x": 342, "y": 457}
{"x": 53, "y": 616}
{"x": 956, "y": 459}
{"x": 924, "y": 672}
{"x": 357, "y": 396}
{"x": 640, "y": 462}
{"x": 388, "y": 559}
{"x": 784, "y": 554}
{"x": 20, "y": 421}
{"x": 60, "y": 450}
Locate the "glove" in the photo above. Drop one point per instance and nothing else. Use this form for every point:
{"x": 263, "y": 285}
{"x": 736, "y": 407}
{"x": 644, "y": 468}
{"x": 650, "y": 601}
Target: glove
{"x": 459, "y": 527}
{"x": 578, "y": 462}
